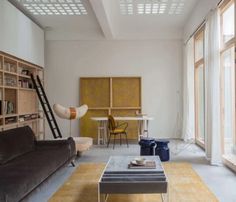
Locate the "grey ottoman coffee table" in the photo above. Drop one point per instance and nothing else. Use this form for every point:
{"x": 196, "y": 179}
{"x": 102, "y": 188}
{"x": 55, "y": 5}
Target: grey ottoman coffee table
{"x": 117, "y": 178}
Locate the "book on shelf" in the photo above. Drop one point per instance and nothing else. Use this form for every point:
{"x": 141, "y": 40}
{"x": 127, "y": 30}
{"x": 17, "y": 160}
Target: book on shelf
{"x": 9, "y": 107}
{"x": 25, "y": 83}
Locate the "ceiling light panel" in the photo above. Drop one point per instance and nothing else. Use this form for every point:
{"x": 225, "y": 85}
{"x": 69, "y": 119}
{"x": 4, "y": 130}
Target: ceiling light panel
{"x": 54, "y": 7}
{"x": 126, "y": 7}
{"x": 151, "y": 7}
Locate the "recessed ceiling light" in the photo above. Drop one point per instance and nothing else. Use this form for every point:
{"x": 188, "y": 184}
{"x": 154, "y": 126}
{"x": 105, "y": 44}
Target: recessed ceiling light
{"x": 152, "y": 6}
{"x": 54, "y": 7}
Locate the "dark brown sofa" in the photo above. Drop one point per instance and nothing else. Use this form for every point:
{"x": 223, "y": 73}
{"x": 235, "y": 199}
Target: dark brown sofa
{"x": 25, "y": 163}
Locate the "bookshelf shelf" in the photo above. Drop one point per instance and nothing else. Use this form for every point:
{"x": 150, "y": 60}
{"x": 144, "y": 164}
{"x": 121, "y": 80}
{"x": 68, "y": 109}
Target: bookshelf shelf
{"x": 30, "y": 89}
{"x": 24, "y": 76}
{"x": 19, "y": 105}
{"x": 10, "y": 115}
{"x": 11, "y": 73}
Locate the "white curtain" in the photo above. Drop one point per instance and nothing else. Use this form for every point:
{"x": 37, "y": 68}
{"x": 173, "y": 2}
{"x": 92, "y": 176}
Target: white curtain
{"x": 188, "y": 94}
{"x": 212, "y": 78}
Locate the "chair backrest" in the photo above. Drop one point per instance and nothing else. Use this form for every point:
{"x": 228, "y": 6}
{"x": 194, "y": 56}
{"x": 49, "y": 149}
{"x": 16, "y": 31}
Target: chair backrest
{"x": 111, "y": 123}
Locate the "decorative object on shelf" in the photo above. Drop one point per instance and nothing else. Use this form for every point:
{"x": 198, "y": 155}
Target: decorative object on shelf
{"x": 10, "y": 67}
{"x": 10, "y": 120}
{"x": 10, "y": 80}
{"x": 25, "y": 72}
{"x": 70, "y": 112}
{"x": 28, "y": 117}
{"x": 9, "y": 107}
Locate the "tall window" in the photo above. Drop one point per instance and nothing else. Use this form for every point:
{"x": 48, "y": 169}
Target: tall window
{"x": 227, "y": 17}
{"x": 199, "y": 87}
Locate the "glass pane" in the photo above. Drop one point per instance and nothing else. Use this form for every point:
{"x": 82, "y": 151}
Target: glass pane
{"x": 200, "y": 96}
{"x": 228, "y": 24}
{"x": 228, "y": 99}
{"x": 199, "y": 47}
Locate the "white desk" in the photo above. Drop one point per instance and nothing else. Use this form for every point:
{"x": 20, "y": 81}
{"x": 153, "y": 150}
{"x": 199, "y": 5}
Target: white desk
{"x": 143, "y": 123}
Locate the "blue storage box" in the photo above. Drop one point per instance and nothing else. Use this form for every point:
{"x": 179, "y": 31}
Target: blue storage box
{"x": 147, "y": 146}
{"x": 162, "y": 149}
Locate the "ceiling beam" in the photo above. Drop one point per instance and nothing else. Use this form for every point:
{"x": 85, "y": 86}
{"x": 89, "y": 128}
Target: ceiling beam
{"x": 102, "y": 18}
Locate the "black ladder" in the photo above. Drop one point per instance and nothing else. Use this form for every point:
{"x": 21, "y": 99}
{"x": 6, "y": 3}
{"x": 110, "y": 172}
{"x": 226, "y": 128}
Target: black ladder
{"x": 46, "y": 107}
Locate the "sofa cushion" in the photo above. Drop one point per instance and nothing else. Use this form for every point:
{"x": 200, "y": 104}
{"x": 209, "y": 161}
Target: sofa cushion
{"x": 15, "y": 142}
{"x": 20, "y": 176}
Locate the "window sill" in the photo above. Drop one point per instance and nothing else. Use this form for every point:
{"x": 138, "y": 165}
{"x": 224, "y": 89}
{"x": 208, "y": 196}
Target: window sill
{"x": 200, "y": 143}
{"x": 230, "y": 161}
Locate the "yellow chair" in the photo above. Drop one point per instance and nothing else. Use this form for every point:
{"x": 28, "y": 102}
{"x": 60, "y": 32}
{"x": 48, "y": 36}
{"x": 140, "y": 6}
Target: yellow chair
{"x": 116, "y": 129}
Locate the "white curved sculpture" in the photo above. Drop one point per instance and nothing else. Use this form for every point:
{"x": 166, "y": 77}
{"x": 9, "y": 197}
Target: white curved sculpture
{"x": 82, "y": 143}
{"x": 70, "y": 112}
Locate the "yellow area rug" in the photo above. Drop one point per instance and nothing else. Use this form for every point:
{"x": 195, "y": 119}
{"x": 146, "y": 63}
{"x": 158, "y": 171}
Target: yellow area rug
{"x": 184, "y": 186}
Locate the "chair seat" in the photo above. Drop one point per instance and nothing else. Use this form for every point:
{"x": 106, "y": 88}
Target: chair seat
{"x": 118, "y": 130}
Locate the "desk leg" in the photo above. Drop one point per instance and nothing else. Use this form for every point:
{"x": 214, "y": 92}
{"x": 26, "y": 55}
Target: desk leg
{"x": 102, "y": 132}
{"x": 139, "y": 130}
{"x": 104, "y": 135}
{"x": 99, "y": 132}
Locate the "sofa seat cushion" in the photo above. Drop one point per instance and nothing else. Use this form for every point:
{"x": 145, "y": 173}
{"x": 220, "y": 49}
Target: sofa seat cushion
{"x": 20, "y": 176}
{"x": 16, "y": 142}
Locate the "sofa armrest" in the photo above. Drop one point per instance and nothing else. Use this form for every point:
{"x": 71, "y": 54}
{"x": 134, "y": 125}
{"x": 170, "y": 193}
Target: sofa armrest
{"x": 57, "y": 143}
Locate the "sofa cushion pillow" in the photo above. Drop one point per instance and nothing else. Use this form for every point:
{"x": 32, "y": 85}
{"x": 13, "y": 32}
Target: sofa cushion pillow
{"x": 16, "y": 142}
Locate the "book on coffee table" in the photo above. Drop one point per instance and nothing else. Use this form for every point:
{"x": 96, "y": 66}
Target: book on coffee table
{"x": 146, "y": 165}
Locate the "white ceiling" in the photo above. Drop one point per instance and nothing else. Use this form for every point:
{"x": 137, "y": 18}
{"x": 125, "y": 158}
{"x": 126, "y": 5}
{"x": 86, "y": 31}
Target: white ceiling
{"x": 115, "y": 19}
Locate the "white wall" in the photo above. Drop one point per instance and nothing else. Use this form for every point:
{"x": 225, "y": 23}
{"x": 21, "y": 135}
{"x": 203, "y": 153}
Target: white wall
{"x": 198, "y": 15}
{"x": 19, "y": 36}
{"x": 159, "y": 63}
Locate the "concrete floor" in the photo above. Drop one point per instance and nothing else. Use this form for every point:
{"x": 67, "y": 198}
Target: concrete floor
{"x": 220, "y": 180}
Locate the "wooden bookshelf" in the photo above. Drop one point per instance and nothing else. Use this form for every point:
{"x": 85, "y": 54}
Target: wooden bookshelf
{"x": 19, "y": 104}
{"x": 118, "y": 96}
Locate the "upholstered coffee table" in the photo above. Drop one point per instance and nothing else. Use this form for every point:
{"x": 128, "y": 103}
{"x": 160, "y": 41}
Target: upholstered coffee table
{"x": 117, "y": 178}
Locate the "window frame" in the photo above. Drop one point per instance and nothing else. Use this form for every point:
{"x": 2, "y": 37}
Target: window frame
{"x": 200, "y": 62}
{"x": 223, "y": 48}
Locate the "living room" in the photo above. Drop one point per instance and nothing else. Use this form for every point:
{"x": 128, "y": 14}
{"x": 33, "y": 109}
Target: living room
{"x": 73, "y": 71}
